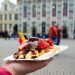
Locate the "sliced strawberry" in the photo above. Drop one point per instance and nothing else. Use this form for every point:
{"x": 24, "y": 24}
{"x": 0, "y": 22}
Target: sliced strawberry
{"x": 42, "y": 44}
{"x": 48, "y": 40}
{"x": 52, "y": 42}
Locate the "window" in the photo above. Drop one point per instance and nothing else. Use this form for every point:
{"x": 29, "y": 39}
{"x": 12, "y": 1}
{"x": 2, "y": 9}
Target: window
{"x": 24, "y": 1}
{"x": 48, "y": 0}
{"x": 59, "y": 16}
{"x": 0, "y": 27}
{"x": 71, "y": 25}
{"x": 70, "y": 16}
{"x": 44, "y": 1}
{"x": 16, "y": 16}
{"x": 18, "y": 1}
{"x": 43, "y": 27}
{"x": 24, "y": 27}
{"x": 19, "y": 29}
{"x": 5, "y": 7}
{"x": 10, "y": 26}
{"x": 34, "y": 1}
{"x": 34, "y": 11}
{"x": 59, "y": 5}
{"x": 59, "y": 0}
{"x": 71, "y": 5}
{"x": 29, "y": 13}
{"x": 44, "y": 10}
{"x": 53, "y": 22}
{"x": 29, "y": 2}
{"x": 65, "y": 7}
{"x": 38, "y": 13}
{"x": 5, "y": 27}
{"x": 38, "y": 1}
{"x": 54, "y": 10}
{"x": 38, "y": 7}
{"x": 64, "y": 22}
{"x": 59, "y": 12}
{"x": 1, "y": 16}
{"x": 25, "y": 11}
{"x": 71, "y": 11}
{"x": 10, "y": 16}
{"x": 33, "y": 23}
{"x": 54, "y": 0}
{"x": 5, "y": 16}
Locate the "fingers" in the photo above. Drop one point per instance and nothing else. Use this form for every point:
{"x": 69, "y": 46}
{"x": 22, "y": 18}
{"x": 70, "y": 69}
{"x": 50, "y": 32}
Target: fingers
{"x": 47, "y": 61}
{"x": 7, "y": 62}
{"x": 28, "y": 66}
{"x": 50, "y": 59}
{"x": 39, "y": 64}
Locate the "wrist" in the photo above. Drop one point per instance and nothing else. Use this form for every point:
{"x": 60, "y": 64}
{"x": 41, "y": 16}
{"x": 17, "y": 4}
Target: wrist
{"x": 10, "y": 69}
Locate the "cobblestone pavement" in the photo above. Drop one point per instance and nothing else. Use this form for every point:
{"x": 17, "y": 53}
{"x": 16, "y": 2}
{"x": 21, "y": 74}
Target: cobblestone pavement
{"x": 63, "y": 63}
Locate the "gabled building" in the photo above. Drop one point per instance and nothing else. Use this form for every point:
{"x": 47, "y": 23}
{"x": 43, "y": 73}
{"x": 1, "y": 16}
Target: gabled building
{"x": 8, "y": 17}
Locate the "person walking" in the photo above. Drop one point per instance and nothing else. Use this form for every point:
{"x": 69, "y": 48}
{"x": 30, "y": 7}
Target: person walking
{"x": 74, "y": 33}
{"x": 53, "y": 34}
{"x": 59, "y": 35}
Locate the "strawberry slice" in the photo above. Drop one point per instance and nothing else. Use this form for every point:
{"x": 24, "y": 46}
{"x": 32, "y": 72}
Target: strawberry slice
{"x": 52, "y": 42}
{"x": 49, "y": 41}
{"x": 42, "y": 44}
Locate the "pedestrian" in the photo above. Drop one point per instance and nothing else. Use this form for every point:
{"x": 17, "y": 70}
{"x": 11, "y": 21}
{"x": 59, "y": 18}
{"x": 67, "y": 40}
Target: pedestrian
{"x": 14, "y": 35}
{"x": 38, "y": 34}
{"x": 33, "y": 31}
{"x": 22, "y": 67}
{"x": 53, "y": 34}
{"x": 59, "y": 35}
{"x": 74, "y": 33}
{"x": 44, "y": 35}
{"x": 64, "y": 32}
{"x": 6, "y": 35}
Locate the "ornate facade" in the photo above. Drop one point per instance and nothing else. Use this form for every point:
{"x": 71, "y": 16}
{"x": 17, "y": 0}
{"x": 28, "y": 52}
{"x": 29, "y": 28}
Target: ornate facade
{"x": 41, "y": 14}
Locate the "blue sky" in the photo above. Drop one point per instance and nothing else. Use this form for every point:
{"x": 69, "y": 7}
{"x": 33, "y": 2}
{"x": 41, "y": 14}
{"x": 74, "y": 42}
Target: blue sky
{"x": 14, "y": 1}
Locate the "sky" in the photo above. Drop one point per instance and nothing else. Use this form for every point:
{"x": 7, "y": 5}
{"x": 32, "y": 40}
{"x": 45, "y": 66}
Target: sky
{"x": 13, "y": 1}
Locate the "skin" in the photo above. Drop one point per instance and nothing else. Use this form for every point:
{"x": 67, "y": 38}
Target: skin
{"x": 25, "y": 67}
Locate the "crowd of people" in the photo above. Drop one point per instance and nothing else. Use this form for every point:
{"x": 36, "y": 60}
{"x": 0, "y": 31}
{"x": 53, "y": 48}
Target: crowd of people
{"x": 6, "y": 35}
{"x": 54, "y": 33}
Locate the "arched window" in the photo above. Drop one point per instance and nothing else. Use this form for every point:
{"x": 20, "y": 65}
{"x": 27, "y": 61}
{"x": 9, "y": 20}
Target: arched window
{"x": 5, "y": 7}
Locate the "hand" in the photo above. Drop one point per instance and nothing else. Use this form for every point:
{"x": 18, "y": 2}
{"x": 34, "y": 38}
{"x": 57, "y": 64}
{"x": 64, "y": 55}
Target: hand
{"x": 25, "y": 67}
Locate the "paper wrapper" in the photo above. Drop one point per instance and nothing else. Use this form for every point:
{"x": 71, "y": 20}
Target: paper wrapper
{"x": 40, "y": 58}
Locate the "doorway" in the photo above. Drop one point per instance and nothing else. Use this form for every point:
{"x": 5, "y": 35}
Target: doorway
{"x": 33, "y": 31}
{"x": 43, "y": 27}
{"x": 15, "y": 28}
